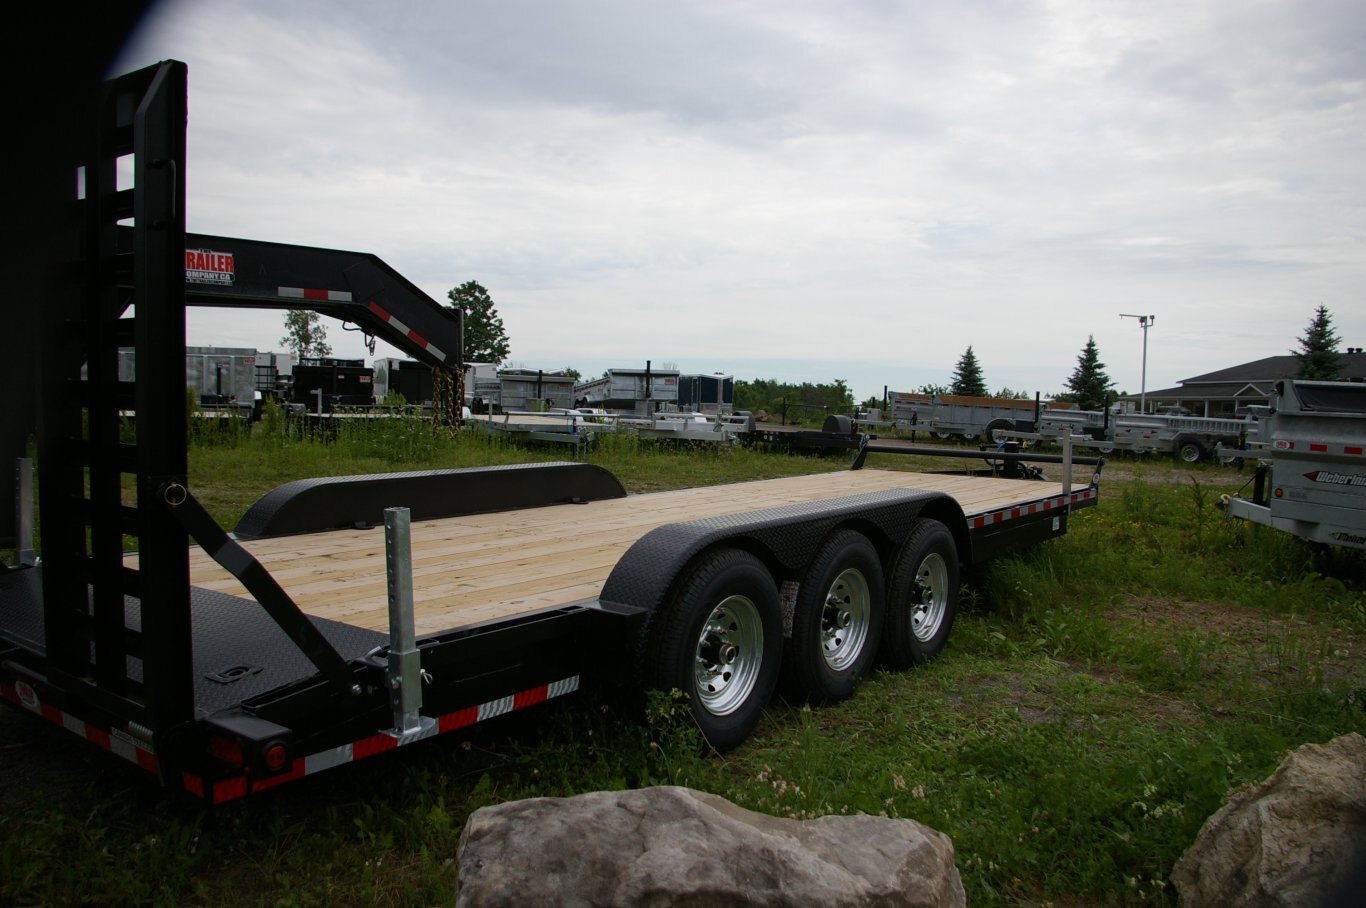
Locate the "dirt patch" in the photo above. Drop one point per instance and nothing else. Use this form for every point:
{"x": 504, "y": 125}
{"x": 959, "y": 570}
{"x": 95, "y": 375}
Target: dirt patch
{"x": 1241, "y": 632}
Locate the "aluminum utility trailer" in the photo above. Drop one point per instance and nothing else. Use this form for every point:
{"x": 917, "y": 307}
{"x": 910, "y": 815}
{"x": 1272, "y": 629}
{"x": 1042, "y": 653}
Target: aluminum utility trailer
{"x": 969, "y": 418}
{"x": 1189, "y": 438}
{"x": 309, "y": 637}
{"x": 1312, "y": 483}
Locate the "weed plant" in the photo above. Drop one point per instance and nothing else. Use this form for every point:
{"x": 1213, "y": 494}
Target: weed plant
{"x": 1100, "y": 697}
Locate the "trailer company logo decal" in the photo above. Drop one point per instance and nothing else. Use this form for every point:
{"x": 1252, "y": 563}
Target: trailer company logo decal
{"x": 1336, "y": 479}
{"x": 204, "y": 266}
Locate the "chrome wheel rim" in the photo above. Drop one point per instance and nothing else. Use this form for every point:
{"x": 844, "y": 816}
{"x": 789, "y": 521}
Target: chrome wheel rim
{"x": 929, "y": 597}
{"x": 845, "y": 615}
{"x": 730, "y": 652}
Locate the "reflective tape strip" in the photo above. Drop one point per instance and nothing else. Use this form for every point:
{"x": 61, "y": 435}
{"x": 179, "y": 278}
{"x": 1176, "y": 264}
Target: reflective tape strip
{"x": 308, "y": 293}
{"x": 237, "y": 786}
{"x": 1316, "y": 447}
{"x": 1038, "y": 507}
{"x": 403, "y": 329}
{"x": 114, "y": 740}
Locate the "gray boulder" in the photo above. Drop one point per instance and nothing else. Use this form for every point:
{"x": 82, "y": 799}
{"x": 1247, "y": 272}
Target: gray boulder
{"x": 672, "y": 846}
{"x": 1297, "y": 839}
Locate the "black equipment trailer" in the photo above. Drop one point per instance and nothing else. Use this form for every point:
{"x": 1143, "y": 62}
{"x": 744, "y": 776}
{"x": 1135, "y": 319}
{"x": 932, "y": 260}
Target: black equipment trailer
{"x": 310, "y": 637}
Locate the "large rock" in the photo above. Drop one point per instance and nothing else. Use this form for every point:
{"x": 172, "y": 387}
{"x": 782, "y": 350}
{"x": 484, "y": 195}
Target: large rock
{"x": 674, "y": 846}
{"x": 1297, "y": 839}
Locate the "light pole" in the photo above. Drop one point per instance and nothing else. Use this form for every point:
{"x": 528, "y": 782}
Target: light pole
{"x": 1146, "y": 322}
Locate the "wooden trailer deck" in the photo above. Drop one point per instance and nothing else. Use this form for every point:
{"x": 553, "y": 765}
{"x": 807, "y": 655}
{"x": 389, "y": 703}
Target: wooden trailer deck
{"x": 477, "y": 568}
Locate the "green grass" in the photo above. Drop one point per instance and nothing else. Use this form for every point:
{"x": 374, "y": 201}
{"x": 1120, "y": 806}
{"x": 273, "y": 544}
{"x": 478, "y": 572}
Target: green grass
{"x": 1099, "y": 698}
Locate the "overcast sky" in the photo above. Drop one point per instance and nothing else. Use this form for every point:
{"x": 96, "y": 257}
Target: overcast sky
{"x": 802, "y": 190}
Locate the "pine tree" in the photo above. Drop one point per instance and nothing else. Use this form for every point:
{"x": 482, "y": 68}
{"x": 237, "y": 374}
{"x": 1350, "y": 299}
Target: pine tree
{"x": 967, "y": 376}
{"x": 485, "y": 339}
{"x": 1090, "y": 386}
{"x": 1318, "y": 353}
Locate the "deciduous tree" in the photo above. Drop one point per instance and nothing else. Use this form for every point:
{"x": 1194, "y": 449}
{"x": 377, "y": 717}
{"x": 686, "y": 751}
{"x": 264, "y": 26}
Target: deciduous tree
{"x": 305, "y": 334}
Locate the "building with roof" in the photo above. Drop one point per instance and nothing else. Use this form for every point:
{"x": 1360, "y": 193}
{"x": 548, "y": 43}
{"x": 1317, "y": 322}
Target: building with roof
{"x": 1226, "y": 392}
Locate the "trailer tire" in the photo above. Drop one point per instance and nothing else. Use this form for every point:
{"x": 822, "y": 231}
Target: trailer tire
{"x": 922, "y": 596}
{"x": 1189, "y": 450}
{"x": 836, "y": 622}
{"x": 719, "y": 639}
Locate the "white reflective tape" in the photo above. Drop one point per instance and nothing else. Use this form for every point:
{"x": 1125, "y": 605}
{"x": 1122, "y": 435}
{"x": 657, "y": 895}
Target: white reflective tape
{"x": 327, "y": 759}
{"x": 494, "y": 708}
{"x": 560, "y": 688}
{"x": 293, "y": 293}
{"x": 124, "y": 748}
{"x": 72, "y": 724}
{"x": 339, "y": 296}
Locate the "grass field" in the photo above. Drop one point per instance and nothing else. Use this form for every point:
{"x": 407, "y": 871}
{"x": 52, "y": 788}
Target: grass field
{"x": 1099, "y": 697}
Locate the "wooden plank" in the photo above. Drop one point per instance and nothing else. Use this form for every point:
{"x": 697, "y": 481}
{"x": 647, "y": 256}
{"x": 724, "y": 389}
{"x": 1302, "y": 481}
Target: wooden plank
{"x": 486, "y": 566}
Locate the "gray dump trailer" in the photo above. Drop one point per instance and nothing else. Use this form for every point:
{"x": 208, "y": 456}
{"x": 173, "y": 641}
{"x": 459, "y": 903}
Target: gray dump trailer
{"x": 1312, "y": 480}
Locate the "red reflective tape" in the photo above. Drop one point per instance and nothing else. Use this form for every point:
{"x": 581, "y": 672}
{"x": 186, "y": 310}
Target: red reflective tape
{"x": 97, "y": 736}
{"x": 458, "y": 719}
{"x": 145, "y": 760}
{"x": 1318, "y": 448}
{"x": 193, "y": 784}
{"x": 10, "y": 694}
{"x": 310, "y": 294}
{"x": 377, "y": 309}
{"x": 529, "y": 697}
{"x": 1351, "y": 450}
{"x": 375, "y": 744}
{"x": 229, "y": 789}
{"x": 1014, "y": 512}
{"x": 52, "y": 714}
{"x": 413, "y": 335}
{"x": 295, "y": 771}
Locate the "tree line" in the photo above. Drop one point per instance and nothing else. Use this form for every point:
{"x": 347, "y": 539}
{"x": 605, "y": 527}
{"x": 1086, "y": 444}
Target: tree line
{"x": 1088, "y": 386}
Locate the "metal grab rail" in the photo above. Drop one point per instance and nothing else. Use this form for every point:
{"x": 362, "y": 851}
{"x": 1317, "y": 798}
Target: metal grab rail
{"x": 1066, "y": 458}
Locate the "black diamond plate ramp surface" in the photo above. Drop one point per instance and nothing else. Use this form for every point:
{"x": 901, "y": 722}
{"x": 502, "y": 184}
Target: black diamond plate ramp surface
{"x": 239, "y": 652}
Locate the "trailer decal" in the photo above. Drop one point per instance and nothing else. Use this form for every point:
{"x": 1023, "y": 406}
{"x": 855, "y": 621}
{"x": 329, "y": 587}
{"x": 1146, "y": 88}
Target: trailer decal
{"x": 237, "y": 787}
{"x": 205, "y": 266}
{"x": 1039, "y": 507}
{"x": 404, "y": 329}
{"x": 1336, "y": 479}
{"x": 116, "y": 741}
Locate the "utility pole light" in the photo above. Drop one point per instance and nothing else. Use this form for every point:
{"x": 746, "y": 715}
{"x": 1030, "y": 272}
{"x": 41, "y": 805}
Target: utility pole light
{"x": 1146, "y": 322}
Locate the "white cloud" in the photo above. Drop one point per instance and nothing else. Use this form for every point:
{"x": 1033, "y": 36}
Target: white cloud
{"x": 865, "y": 187}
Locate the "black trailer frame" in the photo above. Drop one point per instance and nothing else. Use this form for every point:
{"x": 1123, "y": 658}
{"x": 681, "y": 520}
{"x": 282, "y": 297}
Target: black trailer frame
{"x": 220, "y": 696}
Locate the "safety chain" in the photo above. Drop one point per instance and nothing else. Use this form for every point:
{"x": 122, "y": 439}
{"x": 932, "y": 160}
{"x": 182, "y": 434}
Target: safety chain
{"x": 448, "y": 396}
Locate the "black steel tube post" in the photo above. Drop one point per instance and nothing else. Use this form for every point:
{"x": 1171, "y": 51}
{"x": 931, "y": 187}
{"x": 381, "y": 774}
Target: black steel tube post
{"x": 159, "y": 304}
{"x": 23, "y": 513}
